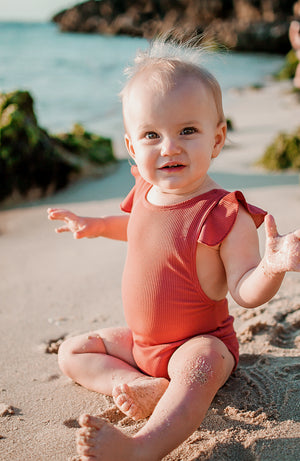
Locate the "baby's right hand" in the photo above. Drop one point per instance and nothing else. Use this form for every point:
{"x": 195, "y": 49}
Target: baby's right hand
{"x": 80, "y": 227}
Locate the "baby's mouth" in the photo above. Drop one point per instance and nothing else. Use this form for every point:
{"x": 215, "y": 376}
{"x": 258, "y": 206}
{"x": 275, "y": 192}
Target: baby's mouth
{"x": 172, "y": 166}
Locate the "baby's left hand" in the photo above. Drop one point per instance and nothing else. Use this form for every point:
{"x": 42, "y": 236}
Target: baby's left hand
{"x": 282, "y": 251}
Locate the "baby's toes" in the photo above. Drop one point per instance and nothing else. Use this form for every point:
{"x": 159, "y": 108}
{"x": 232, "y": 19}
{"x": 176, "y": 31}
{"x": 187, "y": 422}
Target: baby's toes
{"x": 89, "y": 421}
{"x": 120, "y": 389}
{"x": 120, "y": 399}
{"x": 85, "y": 436}
{"x": 85, "y": 450}
{"x": 126, "y": 407}
{"x": 133, "y": 412}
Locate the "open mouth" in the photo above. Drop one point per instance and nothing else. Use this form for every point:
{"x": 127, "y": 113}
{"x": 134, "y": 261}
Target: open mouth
{"x": 172, "y": 167}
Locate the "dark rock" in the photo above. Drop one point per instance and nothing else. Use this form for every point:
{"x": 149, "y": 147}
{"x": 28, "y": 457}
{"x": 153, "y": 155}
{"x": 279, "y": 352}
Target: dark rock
{"x": 31, "y": 159}
{"x": 245, "y": 25}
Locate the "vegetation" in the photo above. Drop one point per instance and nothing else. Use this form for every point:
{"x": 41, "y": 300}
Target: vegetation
{"x": 87, "y": 145}
{"x": 283, "y": 153}
{"x": 32, "y": 159}
{"x": 289, "y": 68}
{"x": 230, "y": 126}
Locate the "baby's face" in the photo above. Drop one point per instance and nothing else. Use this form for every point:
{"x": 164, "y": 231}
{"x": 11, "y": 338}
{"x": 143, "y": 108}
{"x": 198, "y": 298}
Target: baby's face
{"x": 173, "y": 135}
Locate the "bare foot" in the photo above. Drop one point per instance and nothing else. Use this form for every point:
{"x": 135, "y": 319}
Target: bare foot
{"x": 98, "y": 440}
{"x": 138, "y": 398}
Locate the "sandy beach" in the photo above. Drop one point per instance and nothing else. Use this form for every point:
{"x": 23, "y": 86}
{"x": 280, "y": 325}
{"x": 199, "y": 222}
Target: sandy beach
{"x": 52, "y": 287}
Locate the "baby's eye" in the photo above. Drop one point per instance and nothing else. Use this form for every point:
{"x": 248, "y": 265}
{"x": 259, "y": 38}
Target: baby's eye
{"x": 188, "y": 130}
{"x": 151, "y": 135}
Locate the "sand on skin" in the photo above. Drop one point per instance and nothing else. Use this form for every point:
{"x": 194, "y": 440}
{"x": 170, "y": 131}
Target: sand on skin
{"x": 52, "y": 287}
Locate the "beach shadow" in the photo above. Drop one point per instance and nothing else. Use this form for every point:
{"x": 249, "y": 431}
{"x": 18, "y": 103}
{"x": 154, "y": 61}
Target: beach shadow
{"x": 118, "y": 183}
{"x": 287, "y": 449}
{"x": 229, "y": 451}
{"x": 264, "y": 449}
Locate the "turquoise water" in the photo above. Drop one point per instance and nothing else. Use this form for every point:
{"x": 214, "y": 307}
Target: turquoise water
{"x": 77, "y": 77}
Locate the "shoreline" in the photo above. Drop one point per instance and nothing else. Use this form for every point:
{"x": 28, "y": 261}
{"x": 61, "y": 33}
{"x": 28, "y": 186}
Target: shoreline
{"x": 53, "y": 287}
{"x": 234, "y": 168}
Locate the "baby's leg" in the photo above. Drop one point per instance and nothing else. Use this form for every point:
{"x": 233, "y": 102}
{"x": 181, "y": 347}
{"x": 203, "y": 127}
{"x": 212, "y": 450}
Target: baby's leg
{"x": 99, "y": 360}
{"x": 102, "y": 361}
{"x": 197, "y": 370}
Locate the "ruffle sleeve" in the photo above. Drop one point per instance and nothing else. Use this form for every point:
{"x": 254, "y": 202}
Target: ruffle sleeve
{"x": 221, "y": 218}
{"x": 127, "y": 203}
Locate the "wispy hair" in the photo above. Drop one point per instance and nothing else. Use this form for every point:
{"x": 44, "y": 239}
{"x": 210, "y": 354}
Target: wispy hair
{"x": 166, "y": 61}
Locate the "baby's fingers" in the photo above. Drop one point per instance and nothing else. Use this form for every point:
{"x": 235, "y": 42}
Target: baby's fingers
{"x": 271, "y": 228}
{"x": 61, "y": 229}
{"x": 56, "y": 213}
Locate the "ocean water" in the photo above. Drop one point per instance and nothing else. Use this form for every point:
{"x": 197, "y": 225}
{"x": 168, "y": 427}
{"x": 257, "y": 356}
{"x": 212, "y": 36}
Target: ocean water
{"x": 77, "y": 77}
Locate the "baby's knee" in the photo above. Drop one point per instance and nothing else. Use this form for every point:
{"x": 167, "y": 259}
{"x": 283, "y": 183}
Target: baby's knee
{"x": 70, "y": 350}
{"x": 65, "y": 352}
{"x": 202, "y": 370}
{"x": 209, "y": 369}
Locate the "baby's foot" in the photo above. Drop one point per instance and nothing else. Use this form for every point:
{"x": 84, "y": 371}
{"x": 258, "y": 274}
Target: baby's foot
{"x": 98, "y": 440}
{"x": 138, "y": 398}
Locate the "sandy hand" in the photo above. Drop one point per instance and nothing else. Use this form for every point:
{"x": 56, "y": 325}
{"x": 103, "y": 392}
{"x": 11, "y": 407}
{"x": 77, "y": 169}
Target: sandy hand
{"x": 282, "y": 251}
{"x": 80, "y": 227}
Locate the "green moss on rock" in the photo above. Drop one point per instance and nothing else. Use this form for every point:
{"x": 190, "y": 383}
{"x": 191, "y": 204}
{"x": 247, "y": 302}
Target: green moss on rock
{"x": 283, "y": 153}
{"x": 289, "y": 68}
{"x": 32, "y": 159}
{"x": 87, "y": 145}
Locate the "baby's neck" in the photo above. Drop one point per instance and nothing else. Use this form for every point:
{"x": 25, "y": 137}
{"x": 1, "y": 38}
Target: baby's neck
{"x": 159, "y": 197}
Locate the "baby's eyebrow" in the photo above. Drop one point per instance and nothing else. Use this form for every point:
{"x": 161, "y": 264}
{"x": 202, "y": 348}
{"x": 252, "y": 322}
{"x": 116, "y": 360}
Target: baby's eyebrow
{"x": 145, "y": 127}
{"x": 189, "y": 123}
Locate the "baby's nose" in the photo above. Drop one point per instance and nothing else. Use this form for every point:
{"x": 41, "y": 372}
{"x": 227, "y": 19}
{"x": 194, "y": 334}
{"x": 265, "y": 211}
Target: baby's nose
{"x": 170, "y": 147}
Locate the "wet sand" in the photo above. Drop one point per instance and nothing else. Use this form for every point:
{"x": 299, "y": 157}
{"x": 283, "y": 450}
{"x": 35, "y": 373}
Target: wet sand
{"x": 52, "y": 287}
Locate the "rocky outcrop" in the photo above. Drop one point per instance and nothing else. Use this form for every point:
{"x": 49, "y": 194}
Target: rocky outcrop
{"x": 245, "y": 25}
{"x": 32, "y": 160}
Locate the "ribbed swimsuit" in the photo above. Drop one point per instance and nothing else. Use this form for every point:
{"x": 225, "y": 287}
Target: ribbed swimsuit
{"x": 164, "y": 304}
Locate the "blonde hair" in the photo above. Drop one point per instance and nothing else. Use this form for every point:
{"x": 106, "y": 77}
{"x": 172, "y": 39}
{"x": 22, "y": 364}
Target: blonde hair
{"x": 166, "y": 63}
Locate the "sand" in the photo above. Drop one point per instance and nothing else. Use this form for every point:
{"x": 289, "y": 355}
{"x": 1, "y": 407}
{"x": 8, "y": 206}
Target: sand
{"x": 52, "y": 287}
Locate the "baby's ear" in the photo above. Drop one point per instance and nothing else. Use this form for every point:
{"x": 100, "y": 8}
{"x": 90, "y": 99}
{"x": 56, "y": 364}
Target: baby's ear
{"x": 220, "y": 138}
{"x": 129, "y": 146}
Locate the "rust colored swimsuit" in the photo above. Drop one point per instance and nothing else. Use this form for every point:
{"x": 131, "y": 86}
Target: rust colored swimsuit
{"x": 164, "y": 303}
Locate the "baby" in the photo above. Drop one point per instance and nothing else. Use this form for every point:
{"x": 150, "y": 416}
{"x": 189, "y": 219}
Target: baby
{"x": 189, "y": 243}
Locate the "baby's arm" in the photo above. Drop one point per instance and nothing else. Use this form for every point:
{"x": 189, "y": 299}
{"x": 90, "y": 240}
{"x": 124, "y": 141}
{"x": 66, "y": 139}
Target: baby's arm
{"x": 114, "y": 227}
{"x": 251, "y": 280}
